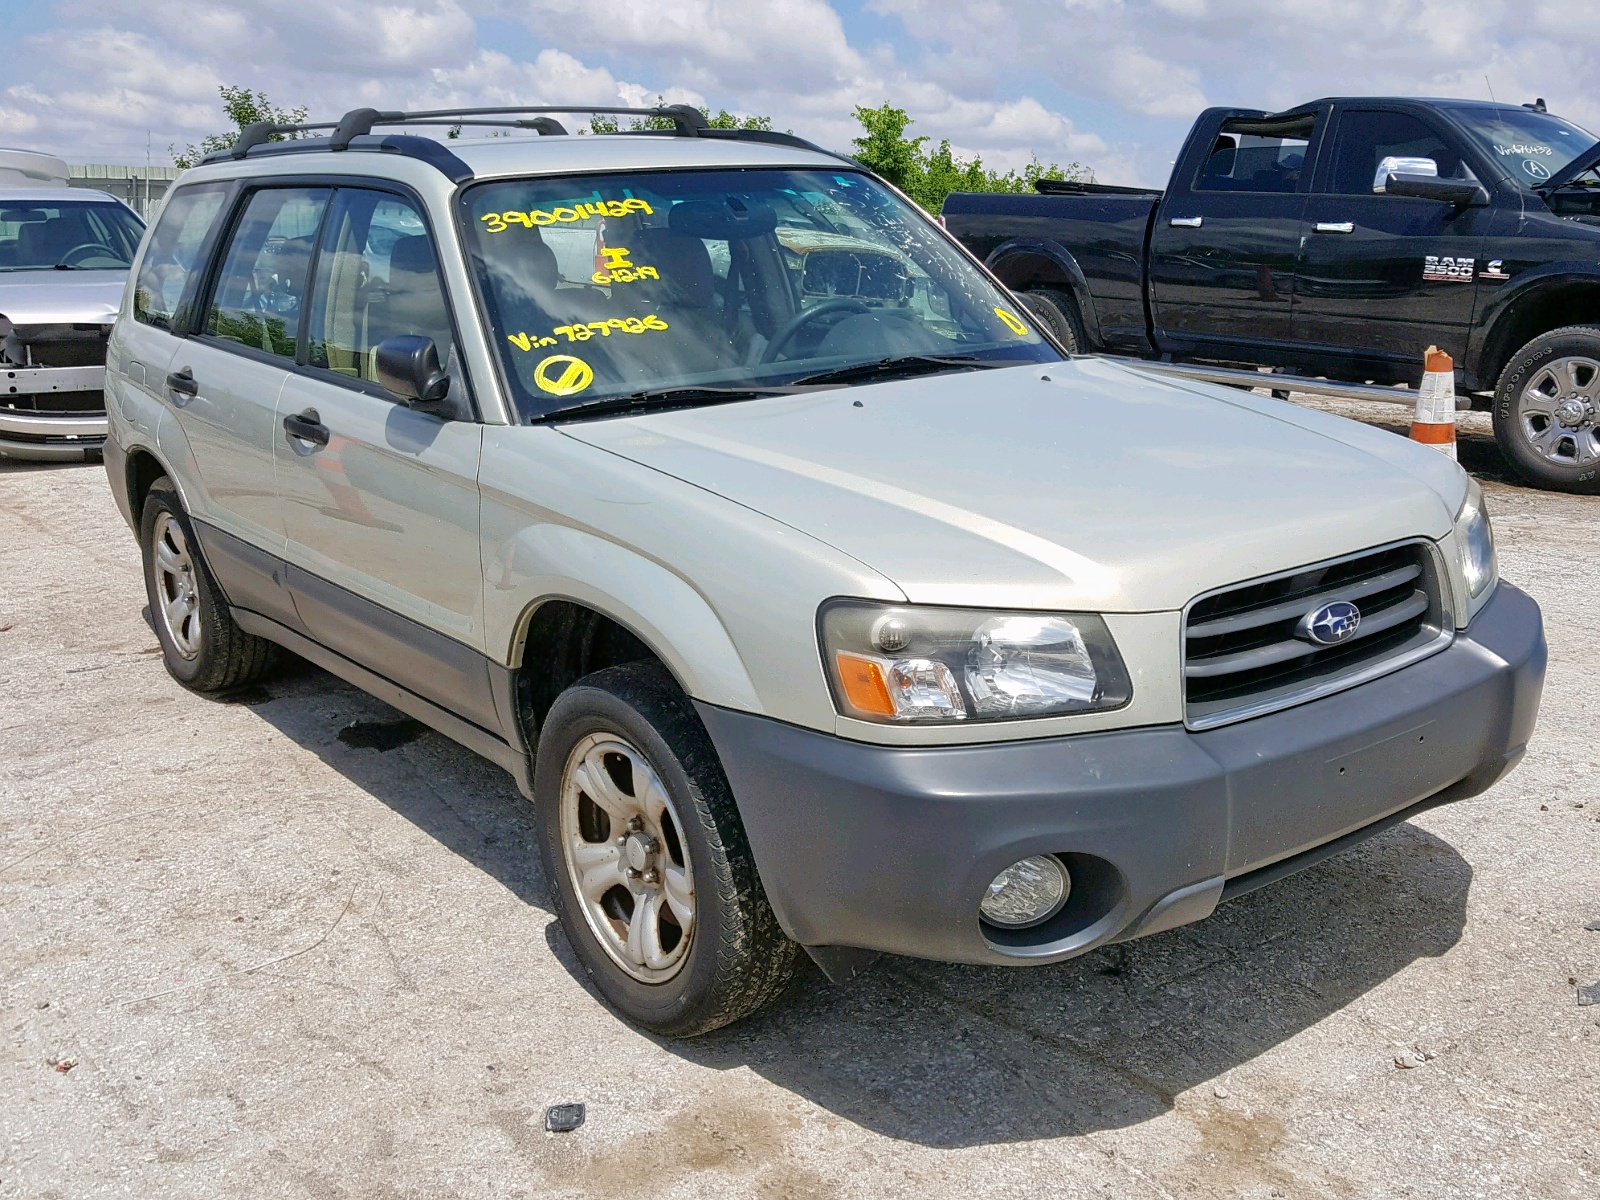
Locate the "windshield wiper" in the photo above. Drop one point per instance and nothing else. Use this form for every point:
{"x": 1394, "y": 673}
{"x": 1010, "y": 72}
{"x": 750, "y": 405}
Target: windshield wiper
{"x": 902, "y": 367}
{"x": 656, "y": 399}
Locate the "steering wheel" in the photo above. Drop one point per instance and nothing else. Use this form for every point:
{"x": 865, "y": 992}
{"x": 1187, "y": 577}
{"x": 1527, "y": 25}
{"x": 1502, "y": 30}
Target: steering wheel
{"x": 781, "y": 339}
{"x": 86, "y": 249}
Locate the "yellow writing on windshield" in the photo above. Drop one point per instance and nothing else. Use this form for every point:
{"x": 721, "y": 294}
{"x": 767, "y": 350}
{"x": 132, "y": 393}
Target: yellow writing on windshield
{"x": 589, "y": 329}
{"x": 561, "y": 375}
{"x": 618, "y": 269}
{"x": 564, "y": 214}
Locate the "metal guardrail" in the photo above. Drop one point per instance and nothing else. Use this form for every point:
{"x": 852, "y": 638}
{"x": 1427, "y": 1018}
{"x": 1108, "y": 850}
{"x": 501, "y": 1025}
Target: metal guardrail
{"x": 1239, "y": 377}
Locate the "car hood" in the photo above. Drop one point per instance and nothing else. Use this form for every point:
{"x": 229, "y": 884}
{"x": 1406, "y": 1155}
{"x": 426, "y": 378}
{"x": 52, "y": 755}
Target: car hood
{"x": 61, "y": 297}
{"x": 1081, "y": 485}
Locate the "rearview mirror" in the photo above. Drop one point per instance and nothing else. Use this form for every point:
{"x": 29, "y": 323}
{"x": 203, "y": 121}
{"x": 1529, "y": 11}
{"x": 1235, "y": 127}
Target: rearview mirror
{"x": 408, "y": 365}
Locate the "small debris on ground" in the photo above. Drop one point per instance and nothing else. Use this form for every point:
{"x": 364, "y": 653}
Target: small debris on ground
{"x": 58, "y": 1063}
{"x": 563, "y": 1118}
{"x": 1408, "y": 1059}
{"x": 42, "y": 1004}
{"x": 1593, "y": 926}
{"x": 1589, "y": 995}
{"x": 1220, "y": 1092}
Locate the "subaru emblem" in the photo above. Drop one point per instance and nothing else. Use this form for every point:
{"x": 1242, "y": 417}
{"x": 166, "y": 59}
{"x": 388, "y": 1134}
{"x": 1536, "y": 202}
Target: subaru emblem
{"x": 1330, "y": 624}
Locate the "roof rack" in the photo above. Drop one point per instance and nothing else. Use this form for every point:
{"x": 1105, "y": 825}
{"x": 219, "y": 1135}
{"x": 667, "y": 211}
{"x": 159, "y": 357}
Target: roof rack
{"x": 359, "y": 123}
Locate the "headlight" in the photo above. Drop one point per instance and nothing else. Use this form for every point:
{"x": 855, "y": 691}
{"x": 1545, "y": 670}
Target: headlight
{"x": 900, "y": 664}
{"x": 1475, "y": 542}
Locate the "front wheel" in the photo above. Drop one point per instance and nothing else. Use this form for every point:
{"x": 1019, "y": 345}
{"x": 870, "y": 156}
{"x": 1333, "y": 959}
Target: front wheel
{"x": 1547, "y": 410}
{"x": 649, "y": 868}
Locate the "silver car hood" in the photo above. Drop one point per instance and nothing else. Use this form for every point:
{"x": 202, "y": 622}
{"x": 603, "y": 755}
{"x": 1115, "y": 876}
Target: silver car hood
{"x": 61, "y": 297}
{"x": 1081, "y": 485}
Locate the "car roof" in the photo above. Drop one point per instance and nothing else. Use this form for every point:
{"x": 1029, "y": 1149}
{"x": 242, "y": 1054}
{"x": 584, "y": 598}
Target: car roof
{"x": 581, "y": 153}
{"x": 46, "y": 195}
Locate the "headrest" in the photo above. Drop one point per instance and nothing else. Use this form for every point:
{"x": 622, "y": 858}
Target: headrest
{"x": 683, "y": 263}
{"x": 722, "y": 220}
{"x": 412, "y": 254}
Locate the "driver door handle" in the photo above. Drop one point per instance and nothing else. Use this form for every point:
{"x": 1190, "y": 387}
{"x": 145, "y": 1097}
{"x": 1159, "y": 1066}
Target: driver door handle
{"x": 1336, "y": 226}
{"x": 182, "y": 386}
{"x": 1187, "y": 222}
{"x": 306, "y": 427}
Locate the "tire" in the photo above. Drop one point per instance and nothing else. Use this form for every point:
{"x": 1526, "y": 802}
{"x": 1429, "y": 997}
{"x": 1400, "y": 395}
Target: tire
{"x": 201, "y": 645}
{"x": 1057, "y": 312}
{"x": 615, "y": 734}
{"x": 1547, "y": 410}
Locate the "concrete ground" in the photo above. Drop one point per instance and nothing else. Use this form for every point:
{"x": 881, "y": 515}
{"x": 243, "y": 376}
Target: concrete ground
{"x": 289, "y": 945}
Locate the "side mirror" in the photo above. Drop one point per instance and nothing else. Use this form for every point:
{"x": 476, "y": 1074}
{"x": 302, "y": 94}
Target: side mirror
{"x": 408, "y": 365}
{"x": 1400, "y": 164}
{"x": 1461, "y": 193}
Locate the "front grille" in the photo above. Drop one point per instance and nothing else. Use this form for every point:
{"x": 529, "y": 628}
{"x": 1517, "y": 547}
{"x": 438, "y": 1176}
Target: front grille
{"x": 89, "y": 403}
{"x": 1244, "y": 653}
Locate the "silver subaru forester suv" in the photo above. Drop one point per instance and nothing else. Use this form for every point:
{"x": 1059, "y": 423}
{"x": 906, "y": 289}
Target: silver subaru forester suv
{"x": 810, "y": 594}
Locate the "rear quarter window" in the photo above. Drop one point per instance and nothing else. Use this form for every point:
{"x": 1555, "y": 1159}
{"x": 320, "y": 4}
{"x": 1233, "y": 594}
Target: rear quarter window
{"x": 174, "y": 253}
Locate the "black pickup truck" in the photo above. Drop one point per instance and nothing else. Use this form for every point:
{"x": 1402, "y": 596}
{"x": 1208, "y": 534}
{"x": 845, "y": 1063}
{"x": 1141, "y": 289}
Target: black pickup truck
{"x": 1336, "y": 242}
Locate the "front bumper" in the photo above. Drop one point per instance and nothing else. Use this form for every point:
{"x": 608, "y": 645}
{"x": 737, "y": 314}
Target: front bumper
{"x": 52, "y": 436}
{"x": 890, "y": 848}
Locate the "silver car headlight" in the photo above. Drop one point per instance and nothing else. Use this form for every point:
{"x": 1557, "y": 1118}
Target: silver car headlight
{"x": 1474, "y": 539}
{"x": 901, "y": 664}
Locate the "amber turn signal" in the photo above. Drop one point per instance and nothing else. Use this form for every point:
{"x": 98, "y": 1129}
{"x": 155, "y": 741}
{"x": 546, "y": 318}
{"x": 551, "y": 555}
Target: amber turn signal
{"x": 863, "y": 685}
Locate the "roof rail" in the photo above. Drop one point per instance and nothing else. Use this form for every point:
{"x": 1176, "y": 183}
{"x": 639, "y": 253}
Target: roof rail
{"x": 266, "y": 137}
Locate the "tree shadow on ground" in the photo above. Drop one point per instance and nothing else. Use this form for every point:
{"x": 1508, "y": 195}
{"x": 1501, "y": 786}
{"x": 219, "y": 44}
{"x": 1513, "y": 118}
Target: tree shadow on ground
{"x": 950, "y": 1056}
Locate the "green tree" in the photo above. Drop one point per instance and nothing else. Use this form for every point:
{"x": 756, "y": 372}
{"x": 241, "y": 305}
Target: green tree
{"x": 929, "y": 176}
{"x": 606, "y": 123}
{"x": 243, "y": 107}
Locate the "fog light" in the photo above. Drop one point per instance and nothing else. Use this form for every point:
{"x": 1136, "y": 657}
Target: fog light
{"x": 1026, "y": 893}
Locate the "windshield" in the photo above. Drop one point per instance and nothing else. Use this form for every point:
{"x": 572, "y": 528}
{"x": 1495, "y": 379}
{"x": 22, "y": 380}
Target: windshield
{"x": 67, "y": 234}
{"x": 609, "y": 286}
{"x": 1531, "y": 145}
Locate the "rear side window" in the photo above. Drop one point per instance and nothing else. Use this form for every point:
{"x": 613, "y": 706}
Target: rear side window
{"x": 174, "y": 253}
{"x": 1248, "y": 156}
{"x": 377, "y": 278}
{"x": 1367, "y": 138}
{"x": 263, "y": 279}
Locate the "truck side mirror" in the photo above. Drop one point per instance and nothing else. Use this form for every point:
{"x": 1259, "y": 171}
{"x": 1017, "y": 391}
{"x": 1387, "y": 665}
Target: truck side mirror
{"x": 1400, "y": 164}
{"x": 408, "y": 366}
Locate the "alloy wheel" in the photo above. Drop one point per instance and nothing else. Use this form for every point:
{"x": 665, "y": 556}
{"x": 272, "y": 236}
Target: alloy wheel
{"x": 626, "y": 858}
{"x": 176, "y": 586}
{"x": 1558, "y": 411}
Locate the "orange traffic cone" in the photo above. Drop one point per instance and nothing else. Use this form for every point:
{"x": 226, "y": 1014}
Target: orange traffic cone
{"x": 1435, "y": 421}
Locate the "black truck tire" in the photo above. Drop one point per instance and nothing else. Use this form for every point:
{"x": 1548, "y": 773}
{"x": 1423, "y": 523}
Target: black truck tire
{"x": 201, "y": 645}
{"x": 1547, "y": 410}
{"x": 1057, "y": 312}
{"x": 637, "y": 821}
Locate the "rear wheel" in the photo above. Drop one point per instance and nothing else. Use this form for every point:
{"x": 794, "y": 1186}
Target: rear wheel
{"x": 648, "y": 865}
{"x": 1057, "y": 312}
{"x": 202, "y": 647}
{"x": 1547, "y": 410}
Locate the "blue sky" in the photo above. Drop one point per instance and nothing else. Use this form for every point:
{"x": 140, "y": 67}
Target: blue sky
{"x": 1111, "y": 83}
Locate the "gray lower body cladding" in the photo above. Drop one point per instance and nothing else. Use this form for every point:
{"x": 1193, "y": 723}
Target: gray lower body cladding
{"x": 891, "y": 848}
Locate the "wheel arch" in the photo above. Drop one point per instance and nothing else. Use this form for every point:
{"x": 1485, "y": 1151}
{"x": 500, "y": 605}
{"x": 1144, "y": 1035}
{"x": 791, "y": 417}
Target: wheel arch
{"x": 1023, "y": 264}
{"x": 571, "y": 628}
{"x": 142, "y": 468}
{"x": 1551, "y": 300}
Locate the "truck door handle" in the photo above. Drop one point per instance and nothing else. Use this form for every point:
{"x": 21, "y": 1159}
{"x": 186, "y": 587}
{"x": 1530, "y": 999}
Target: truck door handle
{"x": 307, "y": 427}
{"x": 182, "y": 386}
{"x": 1336, "y": 226}
{"x": 1187, "y": 222}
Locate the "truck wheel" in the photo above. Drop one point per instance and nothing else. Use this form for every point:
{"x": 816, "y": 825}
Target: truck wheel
{"x": 649, "y": 868}
{"x": 1547, "y": 410}
{"x": 201, "y": 645}
{"x": 1057, "y": 312}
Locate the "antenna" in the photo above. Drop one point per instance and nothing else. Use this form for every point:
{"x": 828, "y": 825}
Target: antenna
{"x": 1490, "y": 86}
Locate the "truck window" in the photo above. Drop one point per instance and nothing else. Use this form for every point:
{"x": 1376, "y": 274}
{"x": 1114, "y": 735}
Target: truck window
{"x": 1248, "y": 157}
{"x": 1365, "y": 139}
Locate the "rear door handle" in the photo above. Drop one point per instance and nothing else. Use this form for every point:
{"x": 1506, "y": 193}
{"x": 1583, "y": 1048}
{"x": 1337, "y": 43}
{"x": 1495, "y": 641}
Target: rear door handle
{"x": 1336, "y": 226}
{"x": 306, "y": 427}
{"x": 1187, "y": 222}
{"x": 182, "y": 386}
